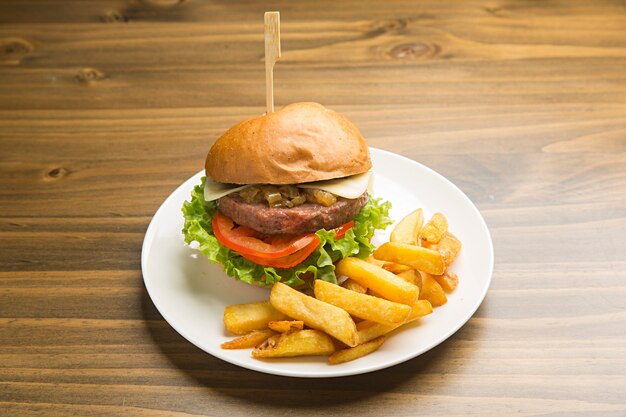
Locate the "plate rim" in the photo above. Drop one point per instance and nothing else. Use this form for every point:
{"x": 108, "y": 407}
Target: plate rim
{"x": 150, "y": 236}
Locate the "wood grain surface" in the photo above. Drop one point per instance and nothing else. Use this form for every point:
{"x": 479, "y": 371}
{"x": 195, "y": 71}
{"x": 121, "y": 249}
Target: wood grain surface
{"x": 106, "y": 106}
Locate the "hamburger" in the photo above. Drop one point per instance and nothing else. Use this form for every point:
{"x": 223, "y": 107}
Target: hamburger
{"x": 285, "y": 196}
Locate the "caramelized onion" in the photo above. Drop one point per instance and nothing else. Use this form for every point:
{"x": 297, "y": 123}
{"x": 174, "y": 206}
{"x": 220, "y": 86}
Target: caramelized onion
{"x": 315, "y": 195}
{"x": 286, "y": 196}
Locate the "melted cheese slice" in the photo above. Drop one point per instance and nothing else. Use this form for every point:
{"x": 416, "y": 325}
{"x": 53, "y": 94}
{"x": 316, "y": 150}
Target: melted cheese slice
{"x": 348, "y": 187}
{"x": 214, "y": 190}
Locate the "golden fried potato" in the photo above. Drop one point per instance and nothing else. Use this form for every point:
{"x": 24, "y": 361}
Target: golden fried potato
{"x": 412, "y": 276}
{"x": 375, "y": 294}
{"x": 243, "y": 318}
{"x": 369, "y": 330}
{"x": 350, "y": 354}
{"x": 362, "y": 305}
{"x": 422, "y": 259}
{"x": 395, "y": 268}
{"x": 434, "y": 229}
{"x": 421, "y": 308}
{"x": 284, "y": 326}
{"x": 448, "y": 281}
{"x": 352, "y": 285}
{"x": 374, "y": 261}
{"x": 432, "y": 291}
{"x": 378, "y": 280}
{"x": 314, "y": 313}
{"x": 299, "y": 343}
{"x": 449, "y": 247}
{"x": 408, "y": 229}
{"x": 248, "y": 340}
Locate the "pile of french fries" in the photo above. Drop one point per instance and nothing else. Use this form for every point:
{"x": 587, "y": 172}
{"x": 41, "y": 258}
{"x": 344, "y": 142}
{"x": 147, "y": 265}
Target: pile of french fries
{"x": 403, "y": 280}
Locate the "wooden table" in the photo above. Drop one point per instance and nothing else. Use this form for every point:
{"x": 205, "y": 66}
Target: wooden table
{"x": 107, "y": 106}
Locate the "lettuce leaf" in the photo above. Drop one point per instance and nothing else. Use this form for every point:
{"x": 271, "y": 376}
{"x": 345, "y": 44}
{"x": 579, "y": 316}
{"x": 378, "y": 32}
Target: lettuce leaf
{"x": 320, "y": 264}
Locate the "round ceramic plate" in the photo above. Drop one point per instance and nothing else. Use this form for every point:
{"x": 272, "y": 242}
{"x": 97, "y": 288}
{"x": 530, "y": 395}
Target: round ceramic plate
{"x": 191, "y": 293}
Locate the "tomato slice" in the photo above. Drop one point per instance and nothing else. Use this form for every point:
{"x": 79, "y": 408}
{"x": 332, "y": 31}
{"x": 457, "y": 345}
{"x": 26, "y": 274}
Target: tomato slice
{"x": 341, "y": 230}
{"x": 285, "y": 261}
{"x": 246, "y": 241}
{"x": 282, "y": 251}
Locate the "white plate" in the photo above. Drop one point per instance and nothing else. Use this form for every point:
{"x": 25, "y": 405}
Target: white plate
{"x": 191, "y": 293}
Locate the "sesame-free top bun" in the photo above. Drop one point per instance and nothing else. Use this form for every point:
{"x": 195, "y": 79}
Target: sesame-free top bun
{"x": 301, "y": 142}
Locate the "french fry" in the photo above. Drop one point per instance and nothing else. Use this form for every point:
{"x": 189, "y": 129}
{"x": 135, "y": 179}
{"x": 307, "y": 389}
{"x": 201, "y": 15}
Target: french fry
{"x": 243, "y": 318}
{"x": 352, "y": 285}
{"x": 248, "y": 340}
{"x": 375, "y": 261}
{"x": 298, "y": 343}
{"x": 284, "y": 326}
{"x": 448, "y": 281}
{"x": 395, "y": 268}
{"x": 411, "y": 276}
{"x": 434, "y": 229}
{"x": 350, "y": 354}
{"x": 432, "y": 291}
{"x": 421, "y": 308}
{"x": 408, "y": 229}
{"x": 375, "y": 294}
{"x": 378, "y": 280}
{"x": 369, "y": 330}
{"x": 449, "y": 247}
{"x": 314, "y": 313}
{"x": 422, "y": 259}
{"x": 361, "y": 305}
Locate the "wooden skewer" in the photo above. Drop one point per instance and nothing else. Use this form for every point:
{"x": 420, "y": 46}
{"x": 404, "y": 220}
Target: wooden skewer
{"x": 272, "y": 53}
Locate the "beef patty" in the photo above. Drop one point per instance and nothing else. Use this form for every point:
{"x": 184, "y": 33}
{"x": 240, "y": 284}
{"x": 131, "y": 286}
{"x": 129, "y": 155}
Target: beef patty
{"x": 305, "y": 218}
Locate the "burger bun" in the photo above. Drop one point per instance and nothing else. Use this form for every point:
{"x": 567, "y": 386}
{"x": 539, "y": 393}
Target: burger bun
{"x": 302, "y": 142}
